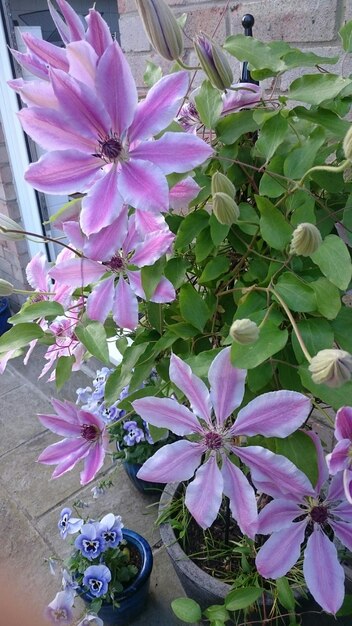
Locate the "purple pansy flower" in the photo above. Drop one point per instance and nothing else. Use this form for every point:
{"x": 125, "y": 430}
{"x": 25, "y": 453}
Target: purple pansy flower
{"x": 90, "y": 542}
{"x": 110, "y": 529}
{"x": 275, "y": 414}
{"x": 340, "y": 459}
{"x": 109, "y": 414}
{"x": 59, "y": 611}
{"x": 134, "y": 433}
{"x": 97, "y": 578}
{"x": 67, "y": 524}
{"x": 289, "y": 519}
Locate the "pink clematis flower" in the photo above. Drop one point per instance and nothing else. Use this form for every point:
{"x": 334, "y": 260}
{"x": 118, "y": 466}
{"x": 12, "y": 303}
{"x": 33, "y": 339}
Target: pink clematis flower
{"x": 99, "y": 141}
{"x": 340, "y": 459}
{"x": 290, "y": 519}
{"x": 272, "y": 414}
{"x": 85, "y": 438}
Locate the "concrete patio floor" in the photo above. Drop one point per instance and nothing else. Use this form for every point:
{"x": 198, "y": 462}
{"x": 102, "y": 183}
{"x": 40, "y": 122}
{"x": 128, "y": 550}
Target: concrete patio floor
{"x": 30, "y": 502}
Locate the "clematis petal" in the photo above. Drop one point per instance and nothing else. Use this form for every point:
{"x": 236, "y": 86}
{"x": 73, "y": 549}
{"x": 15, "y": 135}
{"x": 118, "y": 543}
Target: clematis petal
{"x": 66, "y": 410}
{"x": 74, "y": 234}
{"x": 121, "y": 97}
{"x": 154, "y": 246}
{"x": 136, "y": 283}
{"x": 160, "y": 106}
{"x": 37, "y": 272}
{"x": 277, "y": 515}
{"x": 173, "y": 462}
{"x": 144, "y": 186}
{"x": 343, "y": 423}
{"x": 204, "y": 493}
{"x": 100, "y": 300}
{"x": 34, "y": 92}
{"x": 323, "y": 472}
{"x": 77, "y": 272}
{"x": 83, "y": 62}
{"x": 273, "y": 414}
{"x": 243, "y": 503}
{"x": 338, "y": 459}
{"x": 62, "y": 450}
{"x": 174, "y": 152}
{"x": 167, "y": 413}
{"x": 226, "y": 385}
{"x": 102, "y": 205}
{"x": 102, "y": 246}
{"x": 183, "y": 192}
{"x": 73, "y": 21}
{"x": 59, "y": 426}
{"x": 343, "y": 511}
{"x": 59, "y": 23}
{"x": 281, "y": 551}
{"x": 336, "y": 488}
{"x": 125, "y": 307}
{"x": 98, "y": 33}
{"x": 347, "y": 484}
{"x": 323, "y": 573}
{"x": 32, "y": 64}
{"x": 191, "y": 386}
{"x": 273, "y": 473}
{"x": 94, "y": 461}
{"x": 149, "y": 222}
{"x": 164, "y": 291}
{"x": 46, "y": 51}
{"x": 343, "y": 531}
{"x": 63, "y": 172}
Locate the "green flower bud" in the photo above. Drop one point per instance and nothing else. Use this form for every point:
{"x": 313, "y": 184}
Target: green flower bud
{"x": 331, "y": 367}
{"x": 225, "y": 208}
{"x": 347, "y": 144}
{"x": 161, "y": 28}
{"x": 244, "y": 331}
{"x": 6, "y": 223}
{"x": 306, "y": 239}
{"x": 220, "y": 183}
{"x": 214, "y": 62}
{"x": 6, "y": 288}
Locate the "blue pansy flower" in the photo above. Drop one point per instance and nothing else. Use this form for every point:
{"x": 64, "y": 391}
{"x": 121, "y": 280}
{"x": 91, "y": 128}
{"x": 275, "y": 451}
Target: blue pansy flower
{"x": 67, "y": 524}
{"x": 97, "y": 578}
{"x": 110, "y": 529}
{"x": 89, "y": 542}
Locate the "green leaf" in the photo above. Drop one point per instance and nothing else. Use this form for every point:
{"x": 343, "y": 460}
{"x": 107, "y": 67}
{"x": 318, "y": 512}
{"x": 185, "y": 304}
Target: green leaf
{"x": 186, "y": 610}
{"x": 193, "y": 308}
{"x": 327, "y": 297}
{"x": 239, "y": 599}
{"x": 298, "y": 58}
{"x": 200, "y": 363}
{"x": 121, "y": 376}
{"x": 272, "y": 135}
{"x": 19, "y": 336}
{"x": 185, "y": 331}
{"x": 37, "y": 310}
{"x": 175, "y": 271}
{"x": 190, "y": 227}
{"x": 152, "y": 74}
{"x": 271, "y": 185}
{"x": 93, "y": 337}
{"x": 317, "y": 334}
{"x": 273, "y": 226}
{"x": 334, "y": 261}
{"x": 258, "y": 54}
{"x": 209, "y": 104}
{"x": 63, "y": 370}
{"x": 157, "y": 433}
{"x": 151, "y": 276}
{"x": 235, "y": 125}
{"x": 271, "y": 340}
{"x": 214, "y": 268}
{"x": 285, "y": 593}
{"x": 346, "y": 36}
{"x": 300, "y": 449}
{"x": 302, "y": 207}
{"x": 315, "y": 88}
{"x": 342, "y": 396}
{"x": 204, "y": 245}
{"x": 217, "y": 612}
{"x": 325, "y": 118}
{"x": 346, "y": 608}
{"x": 300, "y": 159}
{"x": 155, "y": 316}
{"x": 342, "y": 325}
{"x": 218, "y": 232}
{"x": 259, "y": 376}
{"x": 297, "y": 295}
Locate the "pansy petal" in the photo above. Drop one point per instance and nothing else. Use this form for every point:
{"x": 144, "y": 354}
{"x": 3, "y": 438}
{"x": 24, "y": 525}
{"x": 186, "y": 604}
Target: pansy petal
{"x": 164, "y": 292}
{"x": 102, "y": 205}
{"x": 63, "y": 172}
{"x": 273, "y": 414}
{"x": 152, "y": 248}
{"x": 94, "y": 461}
{"x": 277, "y": 515}
{"x": 323, "y": 573}
{"x": 243, "y": 503}
{"x": 125, "y": 307}
{"x": 160, "y": 106}
{"x": 226, "y": 385}
{"x": 173, "y": 462}
{"x": 98, "y": 33}
{"x": 77, "y": 272}
{"x": 167, "y": 413}
{"x": 338, "y": 459}
{"x": 204, "y": 493}
{"x": 144, "y": 186}
{"x": 343, "y": 531}
{"x": 273, "y": 473}
{"x": 191, "y": 386}
{"x": 281, "y": 551}
{"x": 343, "y": 423}
{"x": 174, "y": 152}
{"x": 100, "y": 300}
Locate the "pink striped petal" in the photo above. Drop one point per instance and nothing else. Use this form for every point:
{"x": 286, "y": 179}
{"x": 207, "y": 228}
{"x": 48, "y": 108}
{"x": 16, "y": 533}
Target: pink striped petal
{"x": 277, "y": 515}
{"x": 160, "y": 106}
{"x": 183, "y": 192}
{"x": 343, "y": 423}
{"x": 49, "y": 129}
{"x": 63, "y": 172}
{"x": 73, "y": 21}
{"x": 62, "y": 450}
{"x": 102, "y": 205}
{"x": 144, "y": 186}
{"x": 94, "y": 461}
{"x": 34, "y": 92}
{"x": 273, "y": 414}
{"x": 100, "y": 300}
{"x": 174, "y": 152}
{"x": 191, "y": 386}
{"x": 59, "y": 23}
{"x": 338, "y": 459}
{"x": 125, "y": 307}
{"x": 67, "y": 464}
{"x": 77, "y": 272}
{"x": 226, "y": 385}
{"x": 281, "y": 551}
{"x": 343, "y": 531}
{"x": 164, "y": 292}
{"x": 154, "y": 246}
{"x": 167, "y": 413}
{"x": 121, "y": 97}
{"x": 136, "y": 283}
{"x": 31, "y": 64}
{"x": 87, "y": 417}
{"x": 74, "y": 234}
{"x": 323, "y": 573}
{"x": 243, "y": 503}
{"x": 37, "y": 272}
{"x": 59, "y": 426}
{"x": 204, "y": 493}
{"x": 98, "y": 33}
{"x": 66, "y": 410}
{"x": 347, "y": 484}
{"x": 83, "y": 62}
{"x": 343, "y": 511}
{"x": 323, "y": 472}
{"x": 173, "y": 462}
{"x": 46, "y": 52}
{"x": 149, "y": 222}
{"x": 336, "y": 488}
{"x": 102, "y": 246}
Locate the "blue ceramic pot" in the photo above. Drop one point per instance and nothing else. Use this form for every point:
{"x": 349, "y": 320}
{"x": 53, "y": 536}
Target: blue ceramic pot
{"x": 144, "y": 486}
{"x": 5, "y": 313}
{"x": 133, "y": 599}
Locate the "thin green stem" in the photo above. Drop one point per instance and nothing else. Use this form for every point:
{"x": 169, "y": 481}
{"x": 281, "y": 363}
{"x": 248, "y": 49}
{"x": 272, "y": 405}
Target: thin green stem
{"x": 325, "y": 168}
{"x": 293, "y": 324}
{"x": 192, "y": 68}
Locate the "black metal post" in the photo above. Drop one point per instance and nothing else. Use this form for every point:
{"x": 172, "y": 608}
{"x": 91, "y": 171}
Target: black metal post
{"x": 247, "y": 23}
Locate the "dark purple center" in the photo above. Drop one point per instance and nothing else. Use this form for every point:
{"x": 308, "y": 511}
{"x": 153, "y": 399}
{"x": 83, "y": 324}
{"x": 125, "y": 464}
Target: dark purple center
{"x": 89, "y": 432}
{"x": 319, "y": 514}
{"x": 213, "y": 441}
{"x": 111, "y": 148}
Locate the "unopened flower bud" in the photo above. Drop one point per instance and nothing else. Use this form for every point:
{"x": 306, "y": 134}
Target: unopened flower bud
{"x": 225, "y": 209}
{"x": 6, "y": 288}
{"x": 6, "y": 224}
{"x": 161, "y": 27}
{"x": 220, "y": 183}
{"x": 244, "y": 331}
{"x": 306, "y": 239}
{"x": 347, "y": 144}
{"x": 331, "y": 367}
{"x": 214, "y": 62}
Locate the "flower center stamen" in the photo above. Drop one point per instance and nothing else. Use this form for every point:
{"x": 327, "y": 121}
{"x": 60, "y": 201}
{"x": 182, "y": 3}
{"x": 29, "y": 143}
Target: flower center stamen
{"x": 90, "y": 432}
{"x": 319, "y": 514}
{"x": 110, "y": 148}
{"x": 213, "y": 441}
{"x": 115, "y": 264}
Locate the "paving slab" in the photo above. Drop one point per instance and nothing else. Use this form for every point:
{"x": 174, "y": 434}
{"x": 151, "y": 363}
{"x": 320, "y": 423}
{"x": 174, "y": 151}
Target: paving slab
{"x": 9, "y": 380}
